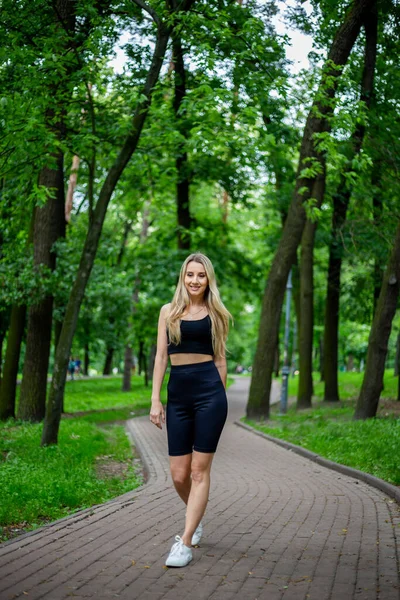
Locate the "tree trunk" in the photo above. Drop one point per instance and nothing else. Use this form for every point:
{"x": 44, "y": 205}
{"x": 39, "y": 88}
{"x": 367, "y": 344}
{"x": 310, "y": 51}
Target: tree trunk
{"x": 398, "y": 389}
{"x": 10, "y": 372}
{"x": 49, "y": 226}
{"x": 182, "y": 167}
{"x": 108, "y": 362}
{"x": 128, "y": 356}
{"x": 350, "y": 363}
{"x": 321, "y": 357}
{"x": 128, "y": 365}
{"x": 57, "y": 331}
{"x": 296, "y": 291}
{"x": 277, "y": 359}
{"x": 4, "y": 326}
{"x": 340, "y": 204}
{"x": 377, "y": 207}
{"x": 317, "y": 122}
{"x": 86, "y": 360}
{"x": 153, "y": 350}
{"x": 140, "y": 357}
{"x": 144, "y": 366}
{"x": 305, "y": 389}
{"x": 372, "y": 385}
{"x": 306, "y": 331}
{"x": 53, "y": 412}
{"x": 397, "y": 357}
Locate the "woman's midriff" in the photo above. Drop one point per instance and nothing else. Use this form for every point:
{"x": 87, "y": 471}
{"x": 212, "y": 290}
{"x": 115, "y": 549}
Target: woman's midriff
{"x": 188, "y": 358}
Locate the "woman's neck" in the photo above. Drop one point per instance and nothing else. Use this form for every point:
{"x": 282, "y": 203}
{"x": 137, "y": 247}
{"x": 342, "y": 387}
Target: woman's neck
{"x": 196, "y": 304}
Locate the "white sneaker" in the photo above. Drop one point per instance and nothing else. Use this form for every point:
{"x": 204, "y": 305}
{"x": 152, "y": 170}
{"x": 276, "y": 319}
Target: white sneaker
{"x": 197, "y": 534}
{"x": 180, "y": 555}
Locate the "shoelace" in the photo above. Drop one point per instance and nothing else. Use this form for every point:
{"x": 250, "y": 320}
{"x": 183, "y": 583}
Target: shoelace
{"x": 178, "y": 546}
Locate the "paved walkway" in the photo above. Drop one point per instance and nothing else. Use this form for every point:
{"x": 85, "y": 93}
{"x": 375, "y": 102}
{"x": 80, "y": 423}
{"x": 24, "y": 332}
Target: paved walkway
{"x": 278, "y": 527}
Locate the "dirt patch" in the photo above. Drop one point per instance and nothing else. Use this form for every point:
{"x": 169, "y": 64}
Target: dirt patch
{"x": 8, "y": 532}
{"x": 388, "y": 407}
{"x": 107, "y": 468}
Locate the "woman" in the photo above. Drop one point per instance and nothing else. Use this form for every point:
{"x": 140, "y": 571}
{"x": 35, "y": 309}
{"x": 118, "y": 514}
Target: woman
{"x": 192, "y": 331}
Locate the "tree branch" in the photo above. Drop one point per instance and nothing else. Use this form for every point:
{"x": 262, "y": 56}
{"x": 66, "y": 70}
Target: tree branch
{"x": 149, "y": 10}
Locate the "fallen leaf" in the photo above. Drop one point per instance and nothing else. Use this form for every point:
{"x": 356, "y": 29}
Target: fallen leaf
{"x": 134, "y": 562}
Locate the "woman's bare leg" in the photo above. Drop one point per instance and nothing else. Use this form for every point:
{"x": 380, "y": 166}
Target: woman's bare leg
{"x": 199, "y": 491}
{"x": 180, "y": 471}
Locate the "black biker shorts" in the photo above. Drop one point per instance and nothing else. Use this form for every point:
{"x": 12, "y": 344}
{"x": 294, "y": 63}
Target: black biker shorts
{"x": 196, "y": 409}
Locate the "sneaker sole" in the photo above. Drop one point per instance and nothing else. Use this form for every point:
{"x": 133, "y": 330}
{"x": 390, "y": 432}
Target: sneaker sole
{"x": 179, "y": 566}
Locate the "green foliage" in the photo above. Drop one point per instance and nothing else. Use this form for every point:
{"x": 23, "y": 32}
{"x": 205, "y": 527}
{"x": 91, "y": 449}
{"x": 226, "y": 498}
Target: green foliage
{"x": 372, "y": 446}
{"x": 240, "y": 124}
{"x": 44, "y": 484}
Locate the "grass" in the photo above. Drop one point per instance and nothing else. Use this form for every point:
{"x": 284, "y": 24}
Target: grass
{"x": 372, "y": 446}
{"x": 349, "y": 385}
{"x": 106, "y": 393}
{"x": 90, "y": 465}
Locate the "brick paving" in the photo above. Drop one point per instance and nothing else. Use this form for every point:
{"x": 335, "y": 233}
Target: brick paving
{"x": 277, "y": 527}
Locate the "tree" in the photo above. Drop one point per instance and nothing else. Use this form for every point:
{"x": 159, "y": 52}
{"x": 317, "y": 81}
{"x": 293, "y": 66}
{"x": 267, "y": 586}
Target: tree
{"x": 340, "y": 202}
{"x": 306, "y": 329}
{"x": 311, "y": 163}
{"x": 48, "y": 227}
{"x": 49, "y": 224}
{"x": 372, "y": 385}
{"x": 11, "y": 363}
{"x": 182, "y": 166}
{"x": 54, "y": 404}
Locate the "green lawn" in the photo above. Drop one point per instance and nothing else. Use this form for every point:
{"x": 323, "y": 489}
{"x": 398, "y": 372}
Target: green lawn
{"x": 88, "y": 466}
{"x": 92, "y": 462}
{"x": 105, "y": 393}
{"x": 349, "y": 385}
{"x": 372, "y": 446}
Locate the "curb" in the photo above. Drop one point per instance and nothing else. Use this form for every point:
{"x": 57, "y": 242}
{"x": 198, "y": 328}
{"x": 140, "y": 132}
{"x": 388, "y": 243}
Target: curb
{"x": 380, "y": 484}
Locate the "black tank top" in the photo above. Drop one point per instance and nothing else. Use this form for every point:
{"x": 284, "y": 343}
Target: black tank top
{"x": 195, "y": 338}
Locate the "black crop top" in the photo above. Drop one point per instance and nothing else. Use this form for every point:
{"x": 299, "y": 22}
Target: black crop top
{"x": 195, "y": 338}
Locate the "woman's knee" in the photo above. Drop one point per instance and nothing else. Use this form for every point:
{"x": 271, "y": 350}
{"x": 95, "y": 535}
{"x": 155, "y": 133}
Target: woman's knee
{"x": 200, "y": 470}
{"x": 180, "y": 474}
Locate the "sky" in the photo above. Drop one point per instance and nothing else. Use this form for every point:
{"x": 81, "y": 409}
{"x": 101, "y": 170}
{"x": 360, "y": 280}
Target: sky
{"x": 297, "y": 51}
{"x": 301, "y": 44}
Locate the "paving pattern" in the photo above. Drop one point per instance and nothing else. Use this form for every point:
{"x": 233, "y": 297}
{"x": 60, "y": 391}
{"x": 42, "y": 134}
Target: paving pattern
{"x": 277, "y": 527}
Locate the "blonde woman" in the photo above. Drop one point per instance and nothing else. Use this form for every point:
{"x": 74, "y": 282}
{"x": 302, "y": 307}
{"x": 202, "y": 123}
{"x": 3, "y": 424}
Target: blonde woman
{"x": 192, "y": 332}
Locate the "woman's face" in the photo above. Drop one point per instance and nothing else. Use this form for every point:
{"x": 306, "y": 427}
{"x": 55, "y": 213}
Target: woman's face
{"x": 196, "y": 280}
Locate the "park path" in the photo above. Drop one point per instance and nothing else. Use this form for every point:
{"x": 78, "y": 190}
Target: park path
{"x": 278, "y": 527}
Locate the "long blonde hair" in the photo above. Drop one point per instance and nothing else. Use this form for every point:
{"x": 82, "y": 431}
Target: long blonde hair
{"x": 219, "y": 315}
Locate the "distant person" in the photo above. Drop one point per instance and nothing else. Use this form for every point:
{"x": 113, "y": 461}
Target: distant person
{"x": 71, "y": 367}
{"x": 192, "y": 330}
{"x": 78, "y": 366}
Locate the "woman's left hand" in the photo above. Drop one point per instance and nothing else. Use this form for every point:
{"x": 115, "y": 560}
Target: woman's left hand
{"x": 157, "y": 414}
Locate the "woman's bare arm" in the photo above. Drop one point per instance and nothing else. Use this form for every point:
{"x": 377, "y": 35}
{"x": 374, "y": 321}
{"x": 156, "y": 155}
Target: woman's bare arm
{"x": 157, "y": 414}
{"x": 220, "y": 363}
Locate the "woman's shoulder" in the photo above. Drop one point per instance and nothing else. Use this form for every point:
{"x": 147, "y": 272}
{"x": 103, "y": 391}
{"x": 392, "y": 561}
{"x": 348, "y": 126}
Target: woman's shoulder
{"x": 165, "y": 309}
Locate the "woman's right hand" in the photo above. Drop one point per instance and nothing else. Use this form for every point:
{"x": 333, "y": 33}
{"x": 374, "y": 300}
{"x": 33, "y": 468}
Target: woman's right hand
{"x": 157, "y": 414}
